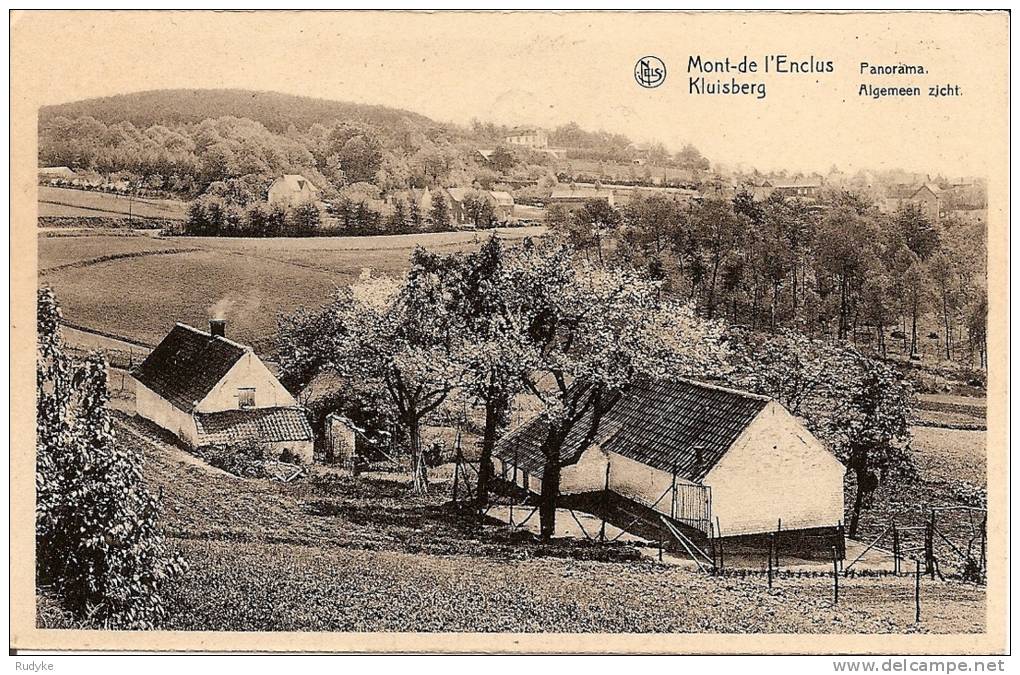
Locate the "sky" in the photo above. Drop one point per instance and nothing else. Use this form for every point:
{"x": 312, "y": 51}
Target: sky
{"x": 553, "y": 68}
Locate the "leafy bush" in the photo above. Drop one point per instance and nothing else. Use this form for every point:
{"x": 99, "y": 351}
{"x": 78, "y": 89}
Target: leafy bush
{"x": 97, "y": 541}
{"x": 246, "y": 459}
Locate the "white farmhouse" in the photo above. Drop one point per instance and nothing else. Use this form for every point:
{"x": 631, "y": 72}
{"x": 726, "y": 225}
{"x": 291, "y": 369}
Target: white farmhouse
{"x": 292, "y": 189}
{"x": 209, "y": 390}
{"x": 720, "y": 462}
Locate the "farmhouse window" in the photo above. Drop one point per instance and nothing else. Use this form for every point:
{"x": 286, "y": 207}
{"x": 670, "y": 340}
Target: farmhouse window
{"x": 246, "y": 397}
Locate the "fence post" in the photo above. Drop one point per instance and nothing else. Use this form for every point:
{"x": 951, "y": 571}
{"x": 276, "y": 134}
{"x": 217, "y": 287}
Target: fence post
{"x": 772, "y": 545}
{"x": 718, "y": 529}
{"x": 456, "y": 478}
{"x": 929, "y": 545}
{"x": 673, "y": 496}
{"x": 779, "y": 529}
{"x": 835, "y": 578}
{"x": 716, "y": 556}
{"x": 984, "y": 540}
{"x": 917, "y": 590}
{"x": 896, "y": 549}
{"x": 841, "y": 542}
{"x": 660, "y": 548}
{"x": 605, "y": 505}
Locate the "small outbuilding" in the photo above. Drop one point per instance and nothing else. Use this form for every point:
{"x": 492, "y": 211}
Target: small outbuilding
{"x": 502, "y": 204}
{"x": 208, "y": 390}
{"x": 719, "y": 461}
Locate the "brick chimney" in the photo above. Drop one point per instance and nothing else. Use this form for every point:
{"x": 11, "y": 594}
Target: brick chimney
{"x": 218, "y": 327}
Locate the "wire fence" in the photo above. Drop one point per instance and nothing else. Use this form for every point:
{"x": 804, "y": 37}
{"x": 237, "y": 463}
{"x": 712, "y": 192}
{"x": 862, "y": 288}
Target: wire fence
{"x": 925, "y": 545}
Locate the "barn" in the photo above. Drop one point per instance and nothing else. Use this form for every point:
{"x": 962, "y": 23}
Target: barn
{"x": 718, "y": 461}
{"x": 209, "y": 390}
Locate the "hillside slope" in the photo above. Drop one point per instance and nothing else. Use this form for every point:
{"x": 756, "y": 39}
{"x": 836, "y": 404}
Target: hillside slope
{"x": 274, "y": 110}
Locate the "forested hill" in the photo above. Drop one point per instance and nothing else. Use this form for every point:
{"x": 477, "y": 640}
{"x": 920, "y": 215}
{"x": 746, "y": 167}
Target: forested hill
{"x": 273, "y": 110}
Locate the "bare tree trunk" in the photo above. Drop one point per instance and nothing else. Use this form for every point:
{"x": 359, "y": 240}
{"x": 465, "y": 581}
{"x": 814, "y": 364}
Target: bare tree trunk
{"x": 551, "y": 448}
{"x": 549, "y": 499}
{"x": 913, "y": 326}
{"x": 485, "y": 469}
{"x": 855, "y": 517}
{"x": 949, "y": 330}
{"x": 711, "y": 290}
{"x": 419, "y": 472}
{"x": 842, "y": 307}
{"x": 775, "y": 303}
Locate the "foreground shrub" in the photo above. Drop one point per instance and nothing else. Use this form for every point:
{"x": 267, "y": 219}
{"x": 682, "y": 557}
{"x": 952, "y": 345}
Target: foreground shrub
{"x": 97, "y": 541}
{"x": 247, "y": 459}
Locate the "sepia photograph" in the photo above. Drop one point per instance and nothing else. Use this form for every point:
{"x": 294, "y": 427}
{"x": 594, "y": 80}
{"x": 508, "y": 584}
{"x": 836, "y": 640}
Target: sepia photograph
{"x": 604, "y": 332}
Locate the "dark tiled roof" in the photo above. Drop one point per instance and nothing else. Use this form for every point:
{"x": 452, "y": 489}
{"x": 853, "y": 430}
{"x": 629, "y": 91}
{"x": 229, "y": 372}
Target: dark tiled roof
{"x": 187, "y": 364}
{"x": 660, "y": 424}
{"x": 260, "y": 424}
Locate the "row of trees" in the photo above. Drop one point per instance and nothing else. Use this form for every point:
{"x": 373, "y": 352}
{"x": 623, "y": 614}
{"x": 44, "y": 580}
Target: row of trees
{"x": 215, "y": 217}
{"x": 479, "y": 330}
{"x": 836, "y": 268}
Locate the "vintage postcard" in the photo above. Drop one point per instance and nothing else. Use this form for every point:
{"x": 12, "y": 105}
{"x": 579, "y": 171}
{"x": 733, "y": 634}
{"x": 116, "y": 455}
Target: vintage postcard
{"x": 518, "y": 331}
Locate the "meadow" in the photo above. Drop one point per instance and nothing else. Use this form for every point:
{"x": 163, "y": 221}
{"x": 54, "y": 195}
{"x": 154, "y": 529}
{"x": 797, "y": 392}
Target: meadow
{"x": 67, "y": 202}
{"x": 138, "y": 286}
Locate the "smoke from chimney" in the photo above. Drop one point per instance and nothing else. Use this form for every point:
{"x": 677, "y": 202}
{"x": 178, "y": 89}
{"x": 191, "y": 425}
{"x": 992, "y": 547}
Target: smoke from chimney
{"x": 218, "y": 310}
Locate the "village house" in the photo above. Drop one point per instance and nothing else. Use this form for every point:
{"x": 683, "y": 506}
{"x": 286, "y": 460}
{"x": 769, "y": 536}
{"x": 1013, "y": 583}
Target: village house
{"x": 209, "y": 390}
{"x": 575, "y": 195}
{"x": 718, "y": 461}
{"x": 502, "y": 204}
{"x": 624, "y": 194}
{"x": 455, "y": 198}
{"x": 291, "y": 190}
{"x": 758, "y": 190}
{"x": 806, "y": 188}
{"x": 927, "y": 197}
{"x": 420, "y": 198}
{"x": 528, "y": 137}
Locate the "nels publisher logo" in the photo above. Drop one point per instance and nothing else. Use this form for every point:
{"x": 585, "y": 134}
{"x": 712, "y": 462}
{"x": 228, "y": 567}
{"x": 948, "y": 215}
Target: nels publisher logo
{"x": 650, "y": 71}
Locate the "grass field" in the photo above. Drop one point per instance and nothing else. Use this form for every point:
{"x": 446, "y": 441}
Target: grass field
{"x": 58, "y": 251}
{"x": 137, "y": 287}
{"x": 57, "y": 202}
{"x": 338, "y": 554}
